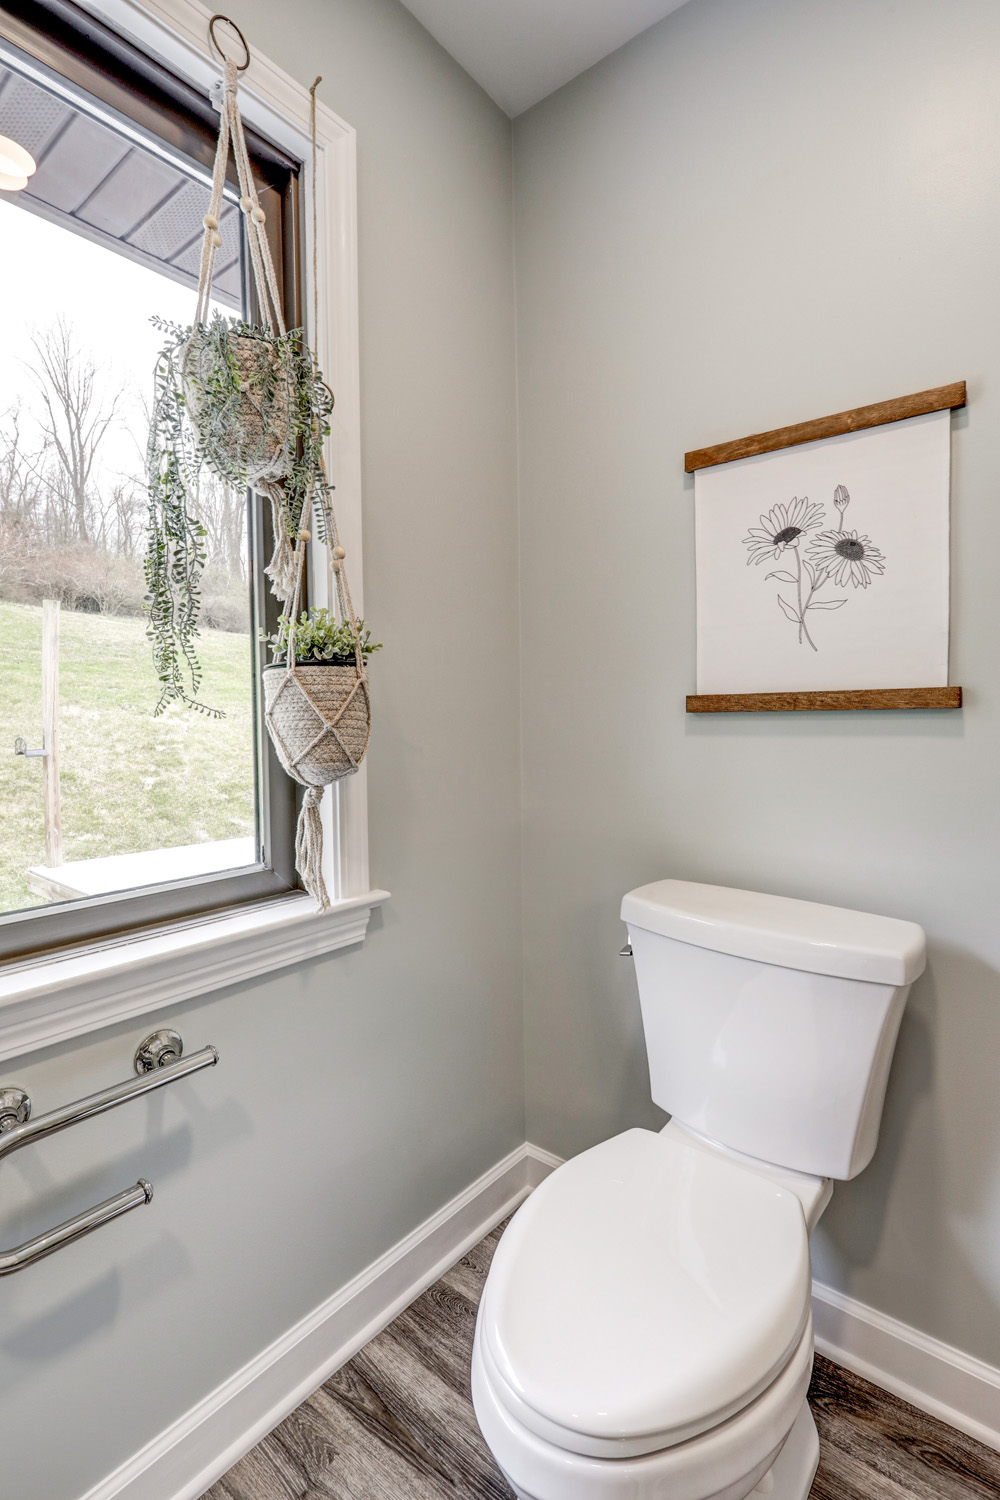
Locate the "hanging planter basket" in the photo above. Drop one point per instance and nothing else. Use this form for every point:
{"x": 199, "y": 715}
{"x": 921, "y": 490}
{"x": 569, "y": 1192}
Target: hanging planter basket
{"x": 240, "y": 396}
{"x": 319, "y": 719}
{"x": 317, "y": 711}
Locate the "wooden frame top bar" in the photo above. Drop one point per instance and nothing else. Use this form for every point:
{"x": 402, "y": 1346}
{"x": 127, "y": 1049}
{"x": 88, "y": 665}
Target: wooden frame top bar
{"x": 941, "y": 398}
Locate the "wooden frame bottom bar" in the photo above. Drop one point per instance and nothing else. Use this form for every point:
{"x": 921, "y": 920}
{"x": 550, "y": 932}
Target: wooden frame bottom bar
{"x": 754, "y": 703}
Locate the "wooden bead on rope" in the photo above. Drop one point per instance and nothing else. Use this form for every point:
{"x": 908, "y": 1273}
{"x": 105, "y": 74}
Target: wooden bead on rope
{"x": 257, "y": 214}
{"x": 335, "y": 565}
{"x": 216, "y": 238}
{"x": 339, "y": 552}
{"x": 246, "y": 204}
{"x": 210, "y": 221}
{"x": 304, "y": 536}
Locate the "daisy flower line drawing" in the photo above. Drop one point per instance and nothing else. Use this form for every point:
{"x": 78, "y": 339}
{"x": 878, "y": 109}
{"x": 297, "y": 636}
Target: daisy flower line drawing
{"x": 843, "y": 558}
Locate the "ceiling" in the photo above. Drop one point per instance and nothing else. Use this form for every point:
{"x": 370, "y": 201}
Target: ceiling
{"x": 520, "y": 50}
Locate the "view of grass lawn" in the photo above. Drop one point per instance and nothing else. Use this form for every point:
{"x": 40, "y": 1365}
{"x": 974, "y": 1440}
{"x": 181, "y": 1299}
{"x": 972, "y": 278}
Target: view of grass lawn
{"x": 129, "y": 782}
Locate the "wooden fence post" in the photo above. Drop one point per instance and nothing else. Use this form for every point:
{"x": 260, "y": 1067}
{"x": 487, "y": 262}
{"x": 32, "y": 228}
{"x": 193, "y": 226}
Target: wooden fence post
{"x": 50, "y": 731}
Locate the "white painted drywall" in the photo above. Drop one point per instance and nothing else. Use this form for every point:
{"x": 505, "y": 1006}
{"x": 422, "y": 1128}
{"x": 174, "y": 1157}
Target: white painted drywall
{"x": 358, "y": 1093}
{"x": 751, "y": 215}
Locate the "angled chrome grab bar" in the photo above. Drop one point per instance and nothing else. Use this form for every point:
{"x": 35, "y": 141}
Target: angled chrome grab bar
{"x": 96, "y": 1104}
{"x": 71, "y": 1114}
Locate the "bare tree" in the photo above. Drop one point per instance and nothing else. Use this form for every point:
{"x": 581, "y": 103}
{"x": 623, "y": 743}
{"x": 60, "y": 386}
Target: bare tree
{"x": 222, "y": 511}
{"x": 72, "y": 527}
{"x": 75, "y": 419}
{"x": 123, "y": 518}
{"x": 19, "y": 485}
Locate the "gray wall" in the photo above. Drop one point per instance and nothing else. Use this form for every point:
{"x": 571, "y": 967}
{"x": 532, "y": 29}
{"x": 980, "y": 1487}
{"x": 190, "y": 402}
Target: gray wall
{"x": 758, "y": 212}
{"x": 359, "y": 1092}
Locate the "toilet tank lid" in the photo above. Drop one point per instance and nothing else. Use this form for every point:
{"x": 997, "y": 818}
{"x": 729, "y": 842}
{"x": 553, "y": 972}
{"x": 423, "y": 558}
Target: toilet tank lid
{"x": 780, "y": 930}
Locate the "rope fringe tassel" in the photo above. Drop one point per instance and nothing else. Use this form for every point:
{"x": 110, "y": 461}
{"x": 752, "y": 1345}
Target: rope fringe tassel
{"x": 309, "y": 847}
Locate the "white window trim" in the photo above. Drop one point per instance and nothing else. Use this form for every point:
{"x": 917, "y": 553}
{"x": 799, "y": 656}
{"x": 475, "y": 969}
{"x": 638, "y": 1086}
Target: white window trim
{"x": 66, "y": 994}
{"x": 52, "y": 999}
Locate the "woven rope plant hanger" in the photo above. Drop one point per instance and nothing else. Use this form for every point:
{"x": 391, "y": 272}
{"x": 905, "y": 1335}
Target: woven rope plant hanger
{"x": 259, "y": 441}
{"x": 318, "y": 714}
{"x": 244, "y": 401}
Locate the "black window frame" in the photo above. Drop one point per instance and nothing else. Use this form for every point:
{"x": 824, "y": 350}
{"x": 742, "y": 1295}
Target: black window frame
{"x": 81, "y": 50}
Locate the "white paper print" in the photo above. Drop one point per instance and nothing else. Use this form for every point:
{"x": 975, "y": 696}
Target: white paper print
{"x": 825, "y": 566}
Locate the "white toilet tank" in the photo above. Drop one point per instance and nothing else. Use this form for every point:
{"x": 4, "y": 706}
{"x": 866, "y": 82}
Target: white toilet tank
{"x": 770, "y": 1023}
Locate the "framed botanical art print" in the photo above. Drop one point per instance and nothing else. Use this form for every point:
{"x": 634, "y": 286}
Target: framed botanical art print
{"x": 822, "y": 558}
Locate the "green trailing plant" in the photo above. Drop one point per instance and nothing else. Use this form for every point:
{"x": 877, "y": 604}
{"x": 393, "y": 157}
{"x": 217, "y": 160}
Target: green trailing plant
{"x": 320, "y": 637}
{"x": 175, "y": 544}
{"x": 252, "y": 407}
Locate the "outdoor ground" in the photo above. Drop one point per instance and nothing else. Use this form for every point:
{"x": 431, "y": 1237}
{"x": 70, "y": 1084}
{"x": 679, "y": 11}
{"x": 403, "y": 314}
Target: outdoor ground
{"x": 130, "y": 782}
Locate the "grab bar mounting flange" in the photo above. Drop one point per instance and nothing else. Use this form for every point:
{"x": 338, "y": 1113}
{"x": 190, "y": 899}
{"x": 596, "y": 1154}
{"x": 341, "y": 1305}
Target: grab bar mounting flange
{"x": 15, "y": 1108}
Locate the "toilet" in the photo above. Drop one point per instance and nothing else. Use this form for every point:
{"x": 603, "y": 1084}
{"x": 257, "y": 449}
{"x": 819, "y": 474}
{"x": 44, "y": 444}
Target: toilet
{"x": 645, "y": 1330}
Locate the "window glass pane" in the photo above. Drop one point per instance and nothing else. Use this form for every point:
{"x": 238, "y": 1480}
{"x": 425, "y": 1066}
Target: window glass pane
{"x": 105, "y": 235}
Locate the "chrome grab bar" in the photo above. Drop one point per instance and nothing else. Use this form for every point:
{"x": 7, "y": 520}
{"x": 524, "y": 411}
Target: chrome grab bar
{"x": 161, "y": 1055}
{"x": 74, "y": 1229}
{"x": 96, "y": 1104}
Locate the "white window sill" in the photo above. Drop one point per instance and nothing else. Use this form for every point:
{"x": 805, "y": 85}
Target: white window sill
{"x": 54, "y": 997}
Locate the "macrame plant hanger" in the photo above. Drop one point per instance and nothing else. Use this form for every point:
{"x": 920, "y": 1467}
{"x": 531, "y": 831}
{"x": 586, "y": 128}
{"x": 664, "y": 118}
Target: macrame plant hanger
{"x": 280, "y": 569}
{"x": 318, "y": 714}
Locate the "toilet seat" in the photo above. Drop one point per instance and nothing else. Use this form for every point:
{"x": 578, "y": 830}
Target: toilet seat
{"x": 643, "y": 1295}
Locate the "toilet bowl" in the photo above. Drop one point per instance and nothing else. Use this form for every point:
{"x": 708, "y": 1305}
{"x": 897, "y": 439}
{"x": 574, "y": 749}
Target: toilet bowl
{"x": 779, "y": 1425}
{"x": 645, "y": 1330}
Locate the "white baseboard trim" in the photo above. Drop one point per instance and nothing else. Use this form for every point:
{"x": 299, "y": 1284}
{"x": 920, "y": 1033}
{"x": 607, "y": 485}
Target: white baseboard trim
{"x": 940, "y": 1380}
{"x": 189, "y": 1456}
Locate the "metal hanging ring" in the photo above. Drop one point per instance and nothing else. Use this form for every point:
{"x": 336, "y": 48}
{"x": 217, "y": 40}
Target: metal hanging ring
{"x": 240, "y": 67}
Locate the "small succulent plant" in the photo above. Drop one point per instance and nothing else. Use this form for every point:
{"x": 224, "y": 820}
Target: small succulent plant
{"x": 320, "y": 637}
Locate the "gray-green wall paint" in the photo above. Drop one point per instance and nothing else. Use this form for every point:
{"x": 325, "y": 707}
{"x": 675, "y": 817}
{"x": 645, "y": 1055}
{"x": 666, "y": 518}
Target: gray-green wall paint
{"x": 758, "y": 212}
{"x": 358, "y": 1093}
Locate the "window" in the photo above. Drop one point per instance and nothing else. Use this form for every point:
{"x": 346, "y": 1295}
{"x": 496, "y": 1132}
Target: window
{"x": 124, "y": 818}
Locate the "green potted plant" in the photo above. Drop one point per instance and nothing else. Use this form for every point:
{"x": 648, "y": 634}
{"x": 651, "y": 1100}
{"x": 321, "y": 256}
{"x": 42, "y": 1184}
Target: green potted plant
{"x": 316, "y": 694}
{"x": 252, "y": 407}
{"x": 320, "y": 639}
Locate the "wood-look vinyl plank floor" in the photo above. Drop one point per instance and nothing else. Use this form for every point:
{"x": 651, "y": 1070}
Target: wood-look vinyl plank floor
{"x": 397, "y": 1423}
{"x": 875, "y": 1447}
